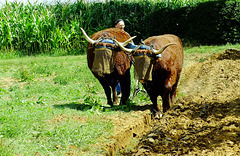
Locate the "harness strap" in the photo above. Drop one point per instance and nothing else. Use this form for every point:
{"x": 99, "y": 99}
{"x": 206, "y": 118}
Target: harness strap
{"x": 142, "y": 54}
{"x": 108, "y": 47}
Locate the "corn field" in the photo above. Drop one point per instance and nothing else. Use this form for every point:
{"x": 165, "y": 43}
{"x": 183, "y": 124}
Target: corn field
{"x": 41, "y": 28}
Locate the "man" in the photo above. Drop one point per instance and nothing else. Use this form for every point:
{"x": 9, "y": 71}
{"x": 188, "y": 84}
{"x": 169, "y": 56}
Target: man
{"x": 120, "y": 25}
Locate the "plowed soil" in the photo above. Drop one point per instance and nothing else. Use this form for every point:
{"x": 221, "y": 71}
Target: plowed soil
{"x": 205, "y": 119}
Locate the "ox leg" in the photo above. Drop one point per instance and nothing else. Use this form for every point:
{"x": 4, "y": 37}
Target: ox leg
{"x": 115, "y": 97}
{"x": 125, "y": 82}
{"x": 166, "y": 102}
{"x": 156, "y": 110}
{"x": 107, "y": 90}
{"x": 173, "y": 92}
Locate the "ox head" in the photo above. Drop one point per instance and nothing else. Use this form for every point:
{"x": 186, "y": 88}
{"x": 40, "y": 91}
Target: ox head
{"x": 105, "y": 50}
{"x": 145, "y": 57}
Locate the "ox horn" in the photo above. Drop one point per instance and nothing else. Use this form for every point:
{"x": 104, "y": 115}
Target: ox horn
{"x": 163, "y": 48}
{"x": 87, "y": 37}
{"x": 122, "y": 46}
{"x": 126, "y": 42}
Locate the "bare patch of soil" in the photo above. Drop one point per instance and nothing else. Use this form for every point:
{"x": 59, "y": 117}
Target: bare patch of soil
{"x": 127, "y": 127}
{"x": 203, "y": 121}
{"x": 6, "y": 82}
{"x": 63, "y": 117}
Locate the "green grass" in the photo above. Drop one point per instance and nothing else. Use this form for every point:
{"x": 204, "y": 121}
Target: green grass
{"x": 52, "y": 106}
{"x": 210, "y": 49}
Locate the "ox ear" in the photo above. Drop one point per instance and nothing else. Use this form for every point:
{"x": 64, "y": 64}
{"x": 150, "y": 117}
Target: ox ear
{"x": 87, "y": 37}
{"x": 163, "y": 48}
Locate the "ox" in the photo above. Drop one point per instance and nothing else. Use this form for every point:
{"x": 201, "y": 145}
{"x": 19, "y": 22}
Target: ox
{"x": 108, "y": 63}
{"x": 158, "y": 66}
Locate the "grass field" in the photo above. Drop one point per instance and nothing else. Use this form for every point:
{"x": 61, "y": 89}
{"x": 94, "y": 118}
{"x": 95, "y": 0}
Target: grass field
{"x": 50, "y": 104}
{"x": 54, "y": 105}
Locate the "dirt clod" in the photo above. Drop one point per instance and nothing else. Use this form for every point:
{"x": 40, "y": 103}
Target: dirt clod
{"x": 205, "y": 118}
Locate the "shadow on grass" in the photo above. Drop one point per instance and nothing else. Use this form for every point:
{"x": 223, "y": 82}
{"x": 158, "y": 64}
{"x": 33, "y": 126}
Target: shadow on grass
{"x": 86, "y": 107}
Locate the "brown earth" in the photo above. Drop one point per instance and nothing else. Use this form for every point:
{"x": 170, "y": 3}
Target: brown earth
{"x": 203, "y": 121}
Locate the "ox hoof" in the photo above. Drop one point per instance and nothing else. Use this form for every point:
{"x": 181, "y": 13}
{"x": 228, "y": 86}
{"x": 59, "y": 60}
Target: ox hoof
{"x": 110, "y": 103}
{"x": 115, "y": 102}
{"x": 157, "y": 115}
{"x": 123, "y": 103}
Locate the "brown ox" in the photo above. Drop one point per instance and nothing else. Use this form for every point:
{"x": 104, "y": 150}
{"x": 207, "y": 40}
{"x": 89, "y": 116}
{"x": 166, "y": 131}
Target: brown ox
{"x": 164, "y": 67}
{"x": 118, "y": 67}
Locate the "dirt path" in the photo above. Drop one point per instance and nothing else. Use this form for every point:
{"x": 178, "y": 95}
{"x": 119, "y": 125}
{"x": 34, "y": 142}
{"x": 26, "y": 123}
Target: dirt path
{"x": 205, "y": 118}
